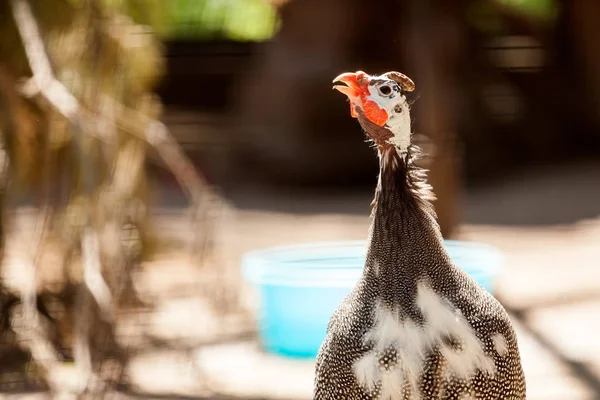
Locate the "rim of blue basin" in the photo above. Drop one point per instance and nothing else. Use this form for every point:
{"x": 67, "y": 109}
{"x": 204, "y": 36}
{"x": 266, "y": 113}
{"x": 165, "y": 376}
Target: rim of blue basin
{"x": 309, "y": 264}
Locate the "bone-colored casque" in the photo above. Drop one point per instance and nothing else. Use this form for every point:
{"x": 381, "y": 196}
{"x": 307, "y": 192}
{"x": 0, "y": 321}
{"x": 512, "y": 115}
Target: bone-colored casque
{"x": 415, "y": 326}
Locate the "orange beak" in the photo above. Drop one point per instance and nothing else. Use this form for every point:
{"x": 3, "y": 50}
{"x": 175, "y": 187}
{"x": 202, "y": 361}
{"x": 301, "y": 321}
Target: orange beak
{"x": 353, "y": 87}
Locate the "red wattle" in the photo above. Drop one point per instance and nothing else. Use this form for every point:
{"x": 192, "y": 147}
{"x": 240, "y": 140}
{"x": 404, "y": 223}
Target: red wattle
{"x": 374, "y": 113}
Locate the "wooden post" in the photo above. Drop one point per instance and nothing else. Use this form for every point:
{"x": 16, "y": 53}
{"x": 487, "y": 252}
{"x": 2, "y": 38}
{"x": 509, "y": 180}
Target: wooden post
{"x": 432, "y": 49}
{"x": 288, "y": 117}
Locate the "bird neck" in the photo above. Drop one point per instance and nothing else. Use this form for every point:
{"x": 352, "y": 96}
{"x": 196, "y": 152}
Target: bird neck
{"x": 399, "y": 126}
{"x": 405, "y": 239}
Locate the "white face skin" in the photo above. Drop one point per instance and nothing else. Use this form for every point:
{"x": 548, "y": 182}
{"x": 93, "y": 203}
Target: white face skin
{"x": 388, "y": 96}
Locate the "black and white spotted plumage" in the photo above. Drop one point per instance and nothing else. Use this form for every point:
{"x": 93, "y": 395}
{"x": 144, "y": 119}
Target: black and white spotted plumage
{"x": 415, "y": 326}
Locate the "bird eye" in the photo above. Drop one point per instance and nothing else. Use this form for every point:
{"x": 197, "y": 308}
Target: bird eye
{"x": 385, "y": 90}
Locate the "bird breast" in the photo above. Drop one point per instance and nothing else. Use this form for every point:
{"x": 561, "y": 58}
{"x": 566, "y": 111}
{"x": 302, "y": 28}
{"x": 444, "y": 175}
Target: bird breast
{"x": 400, "y": 346}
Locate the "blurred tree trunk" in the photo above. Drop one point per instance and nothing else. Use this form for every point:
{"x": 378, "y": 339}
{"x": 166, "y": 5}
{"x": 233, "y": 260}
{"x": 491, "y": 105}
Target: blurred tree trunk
{"x": 288, "y": 131}
{"x": 585, "y": 31}
{"x": 433, "y": 51}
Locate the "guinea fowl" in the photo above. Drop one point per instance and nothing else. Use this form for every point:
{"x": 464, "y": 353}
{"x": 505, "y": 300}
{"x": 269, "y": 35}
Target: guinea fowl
{"x": 415, "y": 326}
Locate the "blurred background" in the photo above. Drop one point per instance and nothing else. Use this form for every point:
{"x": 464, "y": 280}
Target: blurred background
{"x": 159, "y": 141}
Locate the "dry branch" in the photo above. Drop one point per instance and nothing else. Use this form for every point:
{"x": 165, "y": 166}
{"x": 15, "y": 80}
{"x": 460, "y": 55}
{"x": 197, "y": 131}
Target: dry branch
{"x": 152, "y": 131}
{"x": 131, "y": 121}
{"x": 62, "y": 100}
{"x": 43, "y": 85}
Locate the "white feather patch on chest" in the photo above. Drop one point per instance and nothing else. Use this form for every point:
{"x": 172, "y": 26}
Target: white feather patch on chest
{"x": 413, "y": 342}
{"x": 500, "y": 344}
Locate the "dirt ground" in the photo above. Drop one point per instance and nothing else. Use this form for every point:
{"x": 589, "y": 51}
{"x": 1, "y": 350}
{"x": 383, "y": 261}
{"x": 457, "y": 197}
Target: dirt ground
{"x": 547, "y": 222}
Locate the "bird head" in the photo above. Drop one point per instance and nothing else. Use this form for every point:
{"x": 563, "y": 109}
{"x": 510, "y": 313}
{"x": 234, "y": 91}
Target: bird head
{"x": 379, "y": 102}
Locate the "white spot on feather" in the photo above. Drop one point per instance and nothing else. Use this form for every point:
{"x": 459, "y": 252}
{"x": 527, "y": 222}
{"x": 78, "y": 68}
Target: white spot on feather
{"x": 412, "y": 342}
{"x": 366, "y": 370}
{"x": 500, "y": 344}
{"x": 442, "y": 319}
{"x": 391, "y": 386}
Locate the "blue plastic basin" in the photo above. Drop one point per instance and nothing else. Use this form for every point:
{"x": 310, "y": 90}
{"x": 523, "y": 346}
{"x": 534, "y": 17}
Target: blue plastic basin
{"x": 300, "y": 286}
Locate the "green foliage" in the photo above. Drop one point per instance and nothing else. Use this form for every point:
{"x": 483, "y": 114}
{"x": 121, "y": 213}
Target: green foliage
{"x": 489, "y": 16}
{"x": 144, "y": 12}
{"x": 545, "y": 10}
{"x": 242, "y": 20}
{"x": 484, "y": 16}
